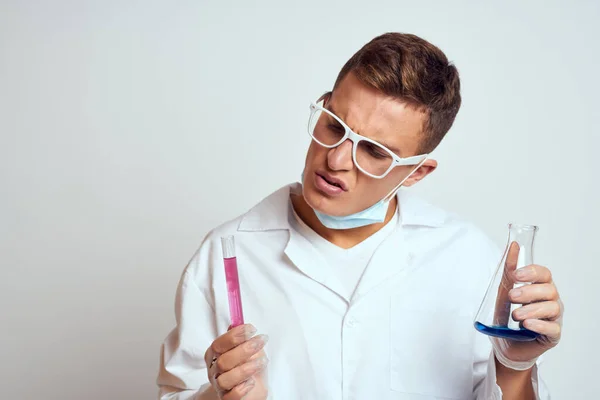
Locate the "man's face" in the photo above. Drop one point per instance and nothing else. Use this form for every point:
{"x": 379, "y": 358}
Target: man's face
{"x": 376, "y": 116}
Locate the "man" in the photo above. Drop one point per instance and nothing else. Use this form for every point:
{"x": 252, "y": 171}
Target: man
{"x": 366, "y": 292}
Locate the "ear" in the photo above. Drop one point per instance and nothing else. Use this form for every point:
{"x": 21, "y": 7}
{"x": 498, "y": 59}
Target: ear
{"x": 325, "y": 97}
{"x": 428, "y": 167}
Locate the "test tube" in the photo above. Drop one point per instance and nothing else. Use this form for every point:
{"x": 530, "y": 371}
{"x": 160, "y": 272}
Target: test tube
{"x": 233, "y": 282}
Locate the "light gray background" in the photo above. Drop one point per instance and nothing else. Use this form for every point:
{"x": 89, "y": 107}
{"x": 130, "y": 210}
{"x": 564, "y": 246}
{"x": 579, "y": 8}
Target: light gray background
{"x": 129, "y": 129}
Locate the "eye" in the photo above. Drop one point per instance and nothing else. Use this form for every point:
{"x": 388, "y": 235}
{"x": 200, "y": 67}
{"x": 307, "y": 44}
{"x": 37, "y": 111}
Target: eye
{"x": 335, "y": 127}
{"x": 375, "y": 151}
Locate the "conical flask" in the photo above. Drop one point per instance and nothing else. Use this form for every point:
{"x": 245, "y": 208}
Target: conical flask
{"x": 495, "y": 315}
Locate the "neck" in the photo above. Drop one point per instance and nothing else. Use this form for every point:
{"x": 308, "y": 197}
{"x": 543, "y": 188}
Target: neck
{"x": 344, "y": 238}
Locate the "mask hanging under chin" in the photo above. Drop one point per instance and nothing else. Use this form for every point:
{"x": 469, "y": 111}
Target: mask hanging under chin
{"x": 375, "y": 214}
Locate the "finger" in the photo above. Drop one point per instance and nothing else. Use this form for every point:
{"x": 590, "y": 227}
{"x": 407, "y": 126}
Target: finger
{"x": 548, "y": 328}
{"x": 549, "y": 310}
{"x": 502, "y": 307}
{"x": 533, "y": 293}
{"x": 233, "y": 338}
{"x": 241, "y": 354}
{"x": 534, "y": 274}
{"x": 208, "y": 356}
{"x": 257, "y": 355}
{"x": 510, "y": 265}
{"x": 230, "y": 379}
{"x": 240, "y": 390}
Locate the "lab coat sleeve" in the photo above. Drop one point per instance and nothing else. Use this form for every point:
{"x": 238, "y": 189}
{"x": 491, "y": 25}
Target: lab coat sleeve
{"x": 182, "y": 371}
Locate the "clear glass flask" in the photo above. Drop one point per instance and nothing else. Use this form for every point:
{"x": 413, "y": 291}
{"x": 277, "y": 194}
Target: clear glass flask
{"x": 494, "y": 317}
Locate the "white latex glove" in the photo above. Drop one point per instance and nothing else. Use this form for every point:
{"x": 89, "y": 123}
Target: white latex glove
{"x": 541, "y": 312}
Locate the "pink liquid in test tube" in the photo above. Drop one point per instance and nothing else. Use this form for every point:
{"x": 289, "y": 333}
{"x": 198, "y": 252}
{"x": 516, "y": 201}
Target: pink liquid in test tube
{"x": 233, "y": 282}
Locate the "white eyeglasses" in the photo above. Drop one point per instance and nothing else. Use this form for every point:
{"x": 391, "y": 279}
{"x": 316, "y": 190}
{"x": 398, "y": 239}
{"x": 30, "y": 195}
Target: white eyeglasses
{"x": 370, "y": 157}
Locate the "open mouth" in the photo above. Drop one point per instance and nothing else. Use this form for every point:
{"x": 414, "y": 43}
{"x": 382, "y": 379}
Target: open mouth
{"x": 331, "y": 183}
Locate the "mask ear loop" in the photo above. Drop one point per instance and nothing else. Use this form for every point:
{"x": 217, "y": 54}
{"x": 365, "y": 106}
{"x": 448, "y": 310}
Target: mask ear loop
{"x": 391, "y": 194}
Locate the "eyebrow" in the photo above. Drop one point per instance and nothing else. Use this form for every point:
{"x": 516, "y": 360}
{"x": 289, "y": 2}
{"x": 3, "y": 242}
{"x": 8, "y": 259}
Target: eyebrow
{"x": 392, "y": 148}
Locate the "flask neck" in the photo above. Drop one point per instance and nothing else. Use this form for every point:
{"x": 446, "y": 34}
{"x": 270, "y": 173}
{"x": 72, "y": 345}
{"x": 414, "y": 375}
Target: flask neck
{"x": 524, "y": 237}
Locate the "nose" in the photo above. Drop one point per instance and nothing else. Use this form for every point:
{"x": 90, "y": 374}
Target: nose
{"x": 340, "y": 158}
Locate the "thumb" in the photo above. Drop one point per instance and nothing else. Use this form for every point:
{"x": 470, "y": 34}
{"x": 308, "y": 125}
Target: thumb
{"x": 502, "y": 309}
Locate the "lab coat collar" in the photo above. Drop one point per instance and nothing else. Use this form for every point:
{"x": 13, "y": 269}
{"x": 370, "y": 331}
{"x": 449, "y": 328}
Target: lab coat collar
{"x": 272, "y": 213}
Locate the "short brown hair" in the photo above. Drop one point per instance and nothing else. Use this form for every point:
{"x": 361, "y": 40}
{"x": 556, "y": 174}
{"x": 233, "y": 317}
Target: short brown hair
{"x": 409, "y": 68}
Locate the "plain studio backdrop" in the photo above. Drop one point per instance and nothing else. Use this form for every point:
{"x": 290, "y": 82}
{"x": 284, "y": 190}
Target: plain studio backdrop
{"x": 130, "y": 129}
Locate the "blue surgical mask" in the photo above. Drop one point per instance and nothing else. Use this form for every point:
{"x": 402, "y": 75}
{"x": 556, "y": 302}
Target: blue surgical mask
{"x": 372, "y": 215}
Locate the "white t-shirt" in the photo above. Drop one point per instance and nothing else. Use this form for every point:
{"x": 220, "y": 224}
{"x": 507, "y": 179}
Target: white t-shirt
{"x": 347, "y": 264}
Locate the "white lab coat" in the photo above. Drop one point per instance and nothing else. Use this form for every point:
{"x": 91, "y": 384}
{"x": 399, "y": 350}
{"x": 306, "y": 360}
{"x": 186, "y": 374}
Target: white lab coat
{"x": 406, "y": 334}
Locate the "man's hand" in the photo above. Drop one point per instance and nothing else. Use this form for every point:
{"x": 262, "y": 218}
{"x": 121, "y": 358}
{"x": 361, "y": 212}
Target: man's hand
{"x": 541, "y": 312}
{"x": 236, "y": 364}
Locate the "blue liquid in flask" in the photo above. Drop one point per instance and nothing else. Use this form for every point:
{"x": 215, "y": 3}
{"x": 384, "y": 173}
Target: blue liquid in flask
{"x": 520, "y": 335}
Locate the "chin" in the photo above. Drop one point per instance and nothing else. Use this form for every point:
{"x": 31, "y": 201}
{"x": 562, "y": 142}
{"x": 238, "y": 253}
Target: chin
{"x": 322, "y": 203}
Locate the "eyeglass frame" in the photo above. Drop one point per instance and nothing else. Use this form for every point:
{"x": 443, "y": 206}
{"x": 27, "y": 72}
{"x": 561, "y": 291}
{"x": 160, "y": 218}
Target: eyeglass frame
{"x": 355, "y": 138}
